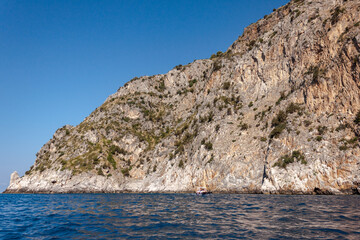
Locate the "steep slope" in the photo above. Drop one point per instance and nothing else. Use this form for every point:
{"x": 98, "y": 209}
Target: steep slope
{"x": 278, "y": 112}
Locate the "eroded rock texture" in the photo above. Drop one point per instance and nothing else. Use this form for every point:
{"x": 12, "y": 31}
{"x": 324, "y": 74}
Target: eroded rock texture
{"x": 275, "y": 113}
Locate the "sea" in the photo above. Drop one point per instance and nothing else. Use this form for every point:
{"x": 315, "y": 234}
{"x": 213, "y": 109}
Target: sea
{"x": 178, "y": 216}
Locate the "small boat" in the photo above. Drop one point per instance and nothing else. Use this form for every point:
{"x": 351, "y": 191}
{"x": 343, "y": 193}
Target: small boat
{"x": 202, "y": 191}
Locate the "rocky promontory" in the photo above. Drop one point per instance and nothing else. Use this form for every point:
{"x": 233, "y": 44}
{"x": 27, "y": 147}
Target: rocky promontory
{"x": 278, "y": 112}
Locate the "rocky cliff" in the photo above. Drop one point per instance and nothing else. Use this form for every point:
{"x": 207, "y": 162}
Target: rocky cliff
{"x": 278, "y": 112}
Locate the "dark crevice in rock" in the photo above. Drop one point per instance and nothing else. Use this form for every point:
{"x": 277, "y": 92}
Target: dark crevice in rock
{"x": 356, "y": 44}
{"x": 265, "y": 172}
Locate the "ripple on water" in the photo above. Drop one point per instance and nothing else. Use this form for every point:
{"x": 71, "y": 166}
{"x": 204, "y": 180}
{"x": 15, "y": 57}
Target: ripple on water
{"x": 185, "y": 216}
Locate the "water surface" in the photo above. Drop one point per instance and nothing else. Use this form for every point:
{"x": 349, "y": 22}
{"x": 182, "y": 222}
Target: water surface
{"x": 174, "y": 216}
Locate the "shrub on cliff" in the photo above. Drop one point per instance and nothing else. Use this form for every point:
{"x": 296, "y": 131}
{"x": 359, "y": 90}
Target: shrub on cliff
{"x": 125, "y": 172}
{"x": 192, "y": 82}
{"x": 277, "y": 131}
{"x": 357, "y": 118}
{"x": 321, "y": 130}
{"x": 243, "y": 126}
{"x": 111, "y": 160}
{"x": 335, "y": 14}
{"x": 208, "y": 146}
{"x": 115, "y": 149}
{"x": 181, "y": 164}
{"x": 279, "y": 119}
{"x": 218, "y": 54}
{"x": 161, "y": 87}
{"x": 292, "y": 108}
{"x": 226, "y": 85}
{"x": 100, "y": 172}
{"x": 287, "y": 159}
{"x": 279, "y": 124}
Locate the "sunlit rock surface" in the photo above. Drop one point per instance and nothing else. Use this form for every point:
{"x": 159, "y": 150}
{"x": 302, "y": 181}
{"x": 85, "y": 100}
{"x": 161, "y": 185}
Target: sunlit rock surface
{"x": 275, "y": 113}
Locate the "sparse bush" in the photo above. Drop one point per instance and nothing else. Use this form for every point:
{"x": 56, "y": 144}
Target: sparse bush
{"x": 321, "y": 130}
{"x": 161, "y": 87}
{"x": 307, "y": 123}
{"x": 208, "y": 146}
{"x": 226, "y": 85}
{"x": 287, "y": 159}
{"x": 100, "y": 172}
{"x": 351, "y": 143}
{"x": 316, "y": 72}
{"x": 273, "y": 34}
{"x": 180, "y": 149}
{"x": 357, "y": 118}
{"x": 279, "y": 124}
{"x": 125, "y": 172}
{"x": 282, "y": 97}
{"x": 229, "y": 112}
{"x": 126, "y": 119}
{"x": 111, "y": 160}
{"x": 277, "y": 131}
{"x": 217, "y": 65}
{"x": 292, "y": 108}
{"x": 353, "y": 140}
{"x": 280, "y": 118}
{"x": 117, "y": 150}
{"x": 335, "y": 14}
{"x": 217, "y": 127}
{"x": 218, "y": 54}
{"x": 263, "y": 139}
{"x": 96, "y": 161}
{"x": 41, "y": 168}
{"x": 210, "y": 116}
{"x": 251, "y": 44}
{"x": 318, "y": 138}
{"x": 192, "y": 82}
{"x": 342, "y": 127}
{"x": 343, "y": 147}
{"x": 181, "y": 164}
{"x": 244, "y": 126}
{"x": 178, "y": 67}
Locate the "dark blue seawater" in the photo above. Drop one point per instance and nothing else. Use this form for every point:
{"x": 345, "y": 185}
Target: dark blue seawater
{"x": 178, "y": 216}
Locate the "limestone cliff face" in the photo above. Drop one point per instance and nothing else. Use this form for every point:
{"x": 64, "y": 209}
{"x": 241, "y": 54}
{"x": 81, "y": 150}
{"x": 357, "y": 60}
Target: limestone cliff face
{"x": 276, "y": 113}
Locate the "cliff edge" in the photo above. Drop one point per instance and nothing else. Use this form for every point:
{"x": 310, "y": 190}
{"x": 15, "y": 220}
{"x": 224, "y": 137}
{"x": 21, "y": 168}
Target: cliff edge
{"x": 278, "y": 112}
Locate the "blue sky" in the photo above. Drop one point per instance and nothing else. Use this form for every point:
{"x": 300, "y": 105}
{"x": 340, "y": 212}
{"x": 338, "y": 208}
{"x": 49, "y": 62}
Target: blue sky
{"x": 59, "y": 60}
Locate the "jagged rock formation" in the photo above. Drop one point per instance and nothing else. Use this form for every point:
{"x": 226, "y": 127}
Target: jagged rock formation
{"x": 275, "y": 113}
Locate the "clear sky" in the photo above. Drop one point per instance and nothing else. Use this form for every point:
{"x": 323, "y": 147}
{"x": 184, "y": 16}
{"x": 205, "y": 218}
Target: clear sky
{"x": 59, "y": 60}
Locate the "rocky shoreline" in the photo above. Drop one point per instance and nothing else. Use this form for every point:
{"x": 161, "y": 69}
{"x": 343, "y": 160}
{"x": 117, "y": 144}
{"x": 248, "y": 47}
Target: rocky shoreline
{"x": 314, "y": 192}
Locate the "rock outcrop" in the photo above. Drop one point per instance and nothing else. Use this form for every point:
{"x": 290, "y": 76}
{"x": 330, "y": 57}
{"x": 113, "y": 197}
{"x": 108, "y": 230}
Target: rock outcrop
{"x": 278, "y": 112}
{"x": 14, "y": 177}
